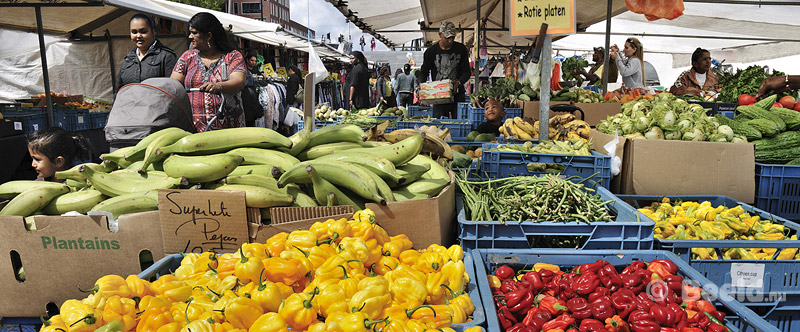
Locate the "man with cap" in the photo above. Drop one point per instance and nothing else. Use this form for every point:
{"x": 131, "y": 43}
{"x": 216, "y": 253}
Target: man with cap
{"x": 595, "y": 74}
{"x": 357, "y": 82}
{"x": 446, "y": 60}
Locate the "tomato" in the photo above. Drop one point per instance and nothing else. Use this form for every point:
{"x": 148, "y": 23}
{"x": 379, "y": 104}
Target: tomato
{"x": 797, "y": 107}
{"x": 787, "y": 101}
{"x": 777, "y": 105}
{"x": 746, "y": 99}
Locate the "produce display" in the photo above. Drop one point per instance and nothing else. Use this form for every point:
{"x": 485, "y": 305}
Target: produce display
{"x": 743, "y": 82}
{"x": 703, "y": 221}
{"x": 578, "y": 95}
{"x": 571, "y": 147}
{"x": 507, "y": 90}
{"x": 339, "y": 275}
{"x": 669, "y": 118}
{"x": 365, "y": 121}
{"x": 561, "y": 127}
{"x": 271, "y": 169}
{"x": 323, "y": 112}
{"x": 532, "y": 198}
{"x": 572, "y": 64}
{"x": 643, "y": 297}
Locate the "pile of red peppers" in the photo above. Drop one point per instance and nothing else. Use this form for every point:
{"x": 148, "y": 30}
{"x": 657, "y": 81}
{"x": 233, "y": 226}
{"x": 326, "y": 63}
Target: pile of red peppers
{"x": 644, "y": 297}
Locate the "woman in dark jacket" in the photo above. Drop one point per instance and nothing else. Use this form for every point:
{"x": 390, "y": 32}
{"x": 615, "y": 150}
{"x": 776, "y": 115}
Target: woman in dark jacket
{"x": 386, "y": 92}
{"x": 293, "y": 85}
{"x": 357, "y": 90}
{"x": 148, "y": 58}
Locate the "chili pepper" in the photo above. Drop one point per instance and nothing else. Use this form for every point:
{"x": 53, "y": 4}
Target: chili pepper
{"x": 602, "y": 309}
{"x": 610, "y": 277}
{"x": 586, "y": 283}
{"x": 701, "y": 321}
{"x": 600, "y": 293}
{"x": 663, "y": 315}
{"x": 299, "y": 310}
{"x": 643, "y": 302}
{"x": 354, "y": 248}
{"x": 704, "y": 305}
{"x": 714, "y": 319}
{"x": 241, "y": 312}
{"x": 138, "y": 288}
{"x": 505, "y": 317}
{"x": 691, "y": 293}
{"x": 404, "y": 270}
{"x": 508, "y": 287}
{"x": 455, "y": 272}
{"x": 248, "y": 268}
{"x": 504, "y": 272}
{"x": 553, "y": 305}
{"x": 659, "y": 269}
{"x": 593, "y": 325}
{"x": 624, "y": 301}
{"x": 579, "y": 308}
{"x": 616, "y": 324}
{"x": 714, "y": 327}
{"x": 519, "y": 300}
{"x": 122, "y": 310}
{"x": 669, "y": 265}
{"x": 370, "y": 301}
{"x": 560, "y": 322}
{"x": 54, "y": 324}
{"x": 642, "y": 321}
{"x": 154, "y": 318}
{"x": 530, "y": 315}
{"x": 534, "y": 279}
{"x": 112, "y": 326}
{"x": 109, "y": 285}
{"x": 590, "y": 268}
{"x": 277, "y": 269}
{"x": 357, "y": 322}
{"x": 269, "y": 322}
{"x": 547, "y": 275}
{"x": 719, "y": 315}
{"x": 268, "y": 296}
{"x": 440, "y": 315}
{"x": 633, "y": 282}
{"x": 520, "y": 327}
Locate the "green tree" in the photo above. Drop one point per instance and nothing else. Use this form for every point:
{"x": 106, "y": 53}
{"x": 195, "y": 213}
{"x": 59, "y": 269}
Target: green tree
{"x": 209, "y": 4}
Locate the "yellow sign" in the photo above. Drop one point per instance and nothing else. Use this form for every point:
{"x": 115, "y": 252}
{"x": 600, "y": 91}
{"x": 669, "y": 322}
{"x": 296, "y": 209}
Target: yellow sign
{"x": 282, "y": 72}
{"x": 267, "y": 68}
{"x": 527, "y": 17}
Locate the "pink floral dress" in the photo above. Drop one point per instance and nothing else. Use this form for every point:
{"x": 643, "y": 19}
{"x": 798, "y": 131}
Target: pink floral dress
{"x": 206, "y": 105}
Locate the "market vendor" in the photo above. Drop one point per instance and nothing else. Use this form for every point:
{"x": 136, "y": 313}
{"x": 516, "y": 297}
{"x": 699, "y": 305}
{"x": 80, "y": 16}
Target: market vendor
{"x": 215, "y": 66}
{"x": 446, "y": 60}
{"x": 493, "y": 113}
{"x": 148, "y": 58}
{"x": 630, "y": 63}
{"x": 779, "y": 84}
{"x": 595, "y": 74}
{"x": 699, "y": 79}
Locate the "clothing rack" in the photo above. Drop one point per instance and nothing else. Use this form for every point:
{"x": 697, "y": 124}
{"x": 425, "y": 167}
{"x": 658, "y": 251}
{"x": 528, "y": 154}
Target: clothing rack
{"x": 331, "y": 92}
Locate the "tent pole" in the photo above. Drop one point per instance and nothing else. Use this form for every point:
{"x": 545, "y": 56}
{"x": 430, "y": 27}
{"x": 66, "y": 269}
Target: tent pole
{"x": 606, "y": 53}
{"x": 111, "y": 60}
{"x": 477, "y": 65}
{"x": 544, "y": 89}
{"x": 46, "y": 75}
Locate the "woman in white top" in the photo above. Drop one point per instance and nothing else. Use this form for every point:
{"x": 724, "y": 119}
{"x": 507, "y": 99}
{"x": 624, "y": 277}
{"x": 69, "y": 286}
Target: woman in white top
{"x": 630, "y": 63}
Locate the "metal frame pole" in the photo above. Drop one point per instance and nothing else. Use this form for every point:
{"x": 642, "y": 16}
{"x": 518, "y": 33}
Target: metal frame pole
{"x": 111, "y": 60}
{"x": 46, "y": 75}
{"x": 544, "y": 88}
{"x": 477, "y": 65}
{"x": 606, "y": 69}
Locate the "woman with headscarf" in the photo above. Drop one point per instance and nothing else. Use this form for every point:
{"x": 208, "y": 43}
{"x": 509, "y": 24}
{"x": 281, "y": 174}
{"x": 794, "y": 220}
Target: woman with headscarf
{"x": 293, "y": 85}
{"x": 630, "y": 63}
{"x": 148, "y": 58}
{"x": 358, "y": 82}
{"x": 699, "y": 79}
{"x": 214, "y": 65}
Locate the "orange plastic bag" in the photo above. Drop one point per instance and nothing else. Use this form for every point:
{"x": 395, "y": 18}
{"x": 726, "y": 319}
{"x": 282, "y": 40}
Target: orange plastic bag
{"x": 656, "y": 9}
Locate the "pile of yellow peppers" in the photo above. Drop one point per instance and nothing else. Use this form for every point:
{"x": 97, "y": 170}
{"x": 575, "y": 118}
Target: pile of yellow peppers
{"x": 702, "y": 221}
{"x": 340, "y": 275}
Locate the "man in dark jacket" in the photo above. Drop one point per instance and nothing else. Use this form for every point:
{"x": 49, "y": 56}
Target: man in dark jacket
{"x": 148, "y": 58}
{"x": 293, "y": 85}
{"x": 446, "y": 60}
{"x": 357, "y": 90}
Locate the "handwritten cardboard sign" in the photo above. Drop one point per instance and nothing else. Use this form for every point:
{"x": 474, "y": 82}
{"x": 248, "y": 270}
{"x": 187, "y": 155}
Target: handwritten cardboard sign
{"x": 202, "y": 220}
{"x": 527, "y": 17}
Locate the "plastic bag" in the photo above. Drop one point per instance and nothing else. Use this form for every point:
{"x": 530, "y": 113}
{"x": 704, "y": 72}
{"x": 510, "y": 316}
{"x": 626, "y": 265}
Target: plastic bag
{"x": 315, "y": 65}
{"x": 611, "y": 150}
{"x": 656, "y": 9}
{"x": 533, "y": 74}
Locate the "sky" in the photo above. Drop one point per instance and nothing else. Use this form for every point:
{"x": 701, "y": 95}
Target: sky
{"x": 325, "y": 18}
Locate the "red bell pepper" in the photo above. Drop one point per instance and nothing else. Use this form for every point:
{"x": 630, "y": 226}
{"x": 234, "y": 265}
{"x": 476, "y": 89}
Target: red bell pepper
{"x": 719, "y": 315}
{"x": 590, "y": 268}
{"x": 681, "y": 317}
{"x": 602, "y": 309}
{"x": 643, "y": 302}
{"x": 560, "y": 322}
{"x": 674, "y": 282}
{"x": 662, "y": 315}
{"x": 659, "y": 291}
{"x": 624, "y": 301}
{"x": 519, "y": 300}
{"x": 508, "y": 287}
{"x": 642, "y": 321}
{"x": 668, "y": 329}
{"x": 579, "y": 308}
{"x": 504, "y": 272}
{"x": 610, "y": 278}
{"x": 633, "y": 282}
{"x": 519, "y": 327}
{"x": 586, "y": 283}
{"x": 547, "y": 275}
{"x": 600, "y": 293}
{"x": 534, "y": 279}
{"x": 714, "y": 327}
{"x": 506, "y": 318}
{"x": 669, "y": 265}
{"x": 691, "y": 329}
{"x": 553, "y": 305}
{"x": 698, "y": 320}
{"x": 635, "y": 266}
{"x": 592, "y": 325}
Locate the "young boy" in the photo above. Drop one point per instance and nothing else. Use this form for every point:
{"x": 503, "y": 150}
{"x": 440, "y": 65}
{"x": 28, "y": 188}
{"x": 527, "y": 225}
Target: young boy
{"x": 493, "y": 113}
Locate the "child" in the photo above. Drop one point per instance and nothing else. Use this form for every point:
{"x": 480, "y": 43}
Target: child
{"x": 53, "y": 149}
{"x": 493, "y": 113}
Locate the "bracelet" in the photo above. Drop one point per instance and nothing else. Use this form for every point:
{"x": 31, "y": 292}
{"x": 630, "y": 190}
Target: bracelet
{"x": 786, "y": 81}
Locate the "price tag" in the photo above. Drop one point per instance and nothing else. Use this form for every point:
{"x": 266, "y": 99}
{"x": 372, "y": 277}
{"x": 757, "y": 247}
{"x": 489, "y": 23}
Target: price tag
{"x": 17, "y": 125}
{"x": 267, "y": 68}
{"x": 747, "y": 275}
{"x": 80, "y": 119}
{"x": 35, "y": 126}
{"x": 282, "y": 72}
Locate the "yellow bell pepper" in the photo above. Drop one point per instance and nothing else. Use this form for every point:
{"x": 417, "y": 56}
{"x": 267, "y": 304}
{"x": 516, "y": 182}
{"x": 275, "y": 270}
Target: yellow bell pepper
{"x": 110, "y": 285}
{"x": 186, "y": 312}
{"x": 465, "y": 302}
{"x": 365, "y": 215}
{"x": 408, "y": 292}
{"x": 332, "y": 299}
{"x": 440, "y": 315}
{"x": 435, "y": 286}
{"x": 248, "y": 269}
{"x": 361, "y": 229}
{"x": 257, "y": 250}
{"x": 320, "y": 230}
{"x": 299, "y": 310}
{"x": 330, "y": 268}
{"x": 370, "y": 301}
{"x": 456, "y": 275}
{"x": 349, "y": 285}
{"x": 494, "y": 282}
{"x": 381, "y": 236}
{"x": 303, "y": 240}
{"x": 242, "y": 312}
{"x": 338, "y": 229}
{"x": 357, "y": 322}
{"x": 396, "y": 245}
{"x": 429, "y": 262}
{"x": 409, "y": 257}
{"x": 385, "y": 264}
{"x": 122, "y": 310}
{"x": 458, "y": 314}
{"x": 227, "y": 265}
{"x": 282, "y": 270}
{"x": 353, "y": 248}
{"x": 317, "y": 255}
{"x": 306, "y": 266}
{"x": 276, "y": 244}
{"x": 95, "y": 301}
{"x": 138, "y": 288}
{"x": 378, "y": 280}
{"x": 268, "y": 296}
{"x": 54, "y": 324}
{"x": 403, "y": 270}
{"x": 373, "y": 252}
{"x": 80, "y": 317}
{"x": 455, "y": 252}
{"x": 154, "y": 318}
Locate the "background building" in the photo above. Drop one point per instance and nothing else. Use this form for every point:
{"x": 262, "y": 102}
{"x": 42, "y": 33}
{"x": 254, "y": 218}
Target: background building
{"x": 273, "y": 11}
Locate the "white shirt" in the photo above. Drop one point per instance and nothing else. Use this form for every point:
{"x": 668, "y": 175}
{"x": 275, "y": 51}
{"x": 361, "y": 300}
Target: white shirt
{"x": 701, "y": 78}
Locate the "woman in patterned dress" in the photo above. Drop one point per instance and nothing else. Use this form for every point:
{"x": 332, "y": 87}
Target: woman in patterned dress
{"x": 216, "y": 67}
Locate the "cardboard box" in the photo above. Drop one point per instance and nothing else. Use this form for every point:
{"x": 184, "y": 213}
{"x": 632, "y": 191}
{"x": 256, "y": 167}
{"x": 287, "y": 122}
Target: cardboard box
{"x": 658, "y": 167}
{"x": 436, "y": 92}
{"x": 599, "y": 140}
{"x": 593, "y": 112}
{"x": 425, "y": 221}
{"x": 62, "y": 255}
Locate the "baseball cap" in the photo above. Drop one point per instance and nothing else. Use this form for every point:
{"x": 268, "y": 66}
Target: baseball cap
{"x": 448, "y": 29}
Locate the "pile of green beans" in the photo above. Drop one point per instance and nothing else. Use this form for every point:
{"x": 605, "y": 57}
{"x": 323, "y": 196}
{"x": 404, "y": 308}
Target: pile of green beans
{"x": 532, "y": 198}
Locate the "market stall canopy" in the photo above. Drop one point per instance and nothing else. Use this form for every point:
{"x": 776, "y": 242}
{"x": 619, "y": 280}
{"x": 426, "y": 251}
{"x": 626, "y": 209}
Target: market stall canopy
{"x": 371, "y": 16}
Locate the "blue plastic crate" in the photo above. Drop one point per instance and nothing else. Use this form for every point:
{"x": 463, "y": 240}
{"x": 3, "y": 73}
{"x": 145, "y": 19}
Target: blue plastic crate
{"x": 778, "y": 189}
{"x": 31, "y": 120}
{"x": 20, "y": 324}
{"x": 501, "y": 164}
{"x": 462, "y": 111}
{"x": 783, "y": 313}
{"x": 416, "y": 110}
{"x": 488, "y": 260}
{"x": 475, "y": 115}
{"x": 779, "y": 276}
{"x": 629, "y": 230}
{"x": 459, "y": 129}
{"x": 98, "y": 119}
{"x": 9, "y": 107}
{"x": 170, "y": 263}
{"x": 72, "y": 119}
